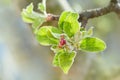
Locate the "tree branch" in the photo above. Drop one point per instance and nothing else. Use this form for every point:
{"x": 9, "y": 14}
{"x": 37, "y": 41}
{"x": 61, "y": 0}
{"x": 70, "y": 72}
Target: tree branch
{"x": 114, "y": 1}
{"x": 113, "y": 6}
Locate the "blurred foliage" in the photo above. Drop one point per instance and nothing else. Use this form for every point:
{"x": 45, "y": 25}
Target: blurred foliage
{"x": 101, "y": 3}
{"x": 4, "y": 2}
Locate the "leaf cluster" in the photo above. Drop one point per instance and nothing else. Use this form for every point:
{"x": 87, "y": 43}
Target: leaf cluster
{"x": 65, "y": 39}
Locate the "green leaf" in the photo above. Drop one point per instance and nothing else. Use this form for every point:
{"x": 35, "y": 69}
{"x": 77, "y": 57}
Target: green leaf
{"x": 63, "y": 16}
{"x": 68, "y": 22}
{"x": 25, "y": 12}
{"x": 41, "y": 7}
{"x": 29, "y": 8}
{"x": 54, "y": 48}
{"x": 29, "y": 16}
{"x": 92, "y": 44}
{"x": 84, "y": 34}
{"x": 53, "y": 33}
{"x": 66, "y": 60}
{"x": 38, "y": 22}
{"x": 90, "y": 32}
{"x": 77, "y": 37}
{"x": 56, "y": 57}
{"x": 45, "y": 37}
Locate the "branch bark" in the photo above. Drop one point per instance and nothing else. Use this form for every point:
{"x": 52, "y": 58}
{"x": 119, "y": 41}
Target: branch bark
{"x": 113, "y": 6}
{"x": 114, "y": 1}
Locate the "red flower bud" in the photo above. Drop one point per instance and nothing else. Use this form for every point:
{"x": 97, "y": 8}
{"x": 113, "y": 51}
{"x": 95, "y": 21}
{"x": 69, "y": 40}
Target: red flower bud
{"x": 62, "y": 41}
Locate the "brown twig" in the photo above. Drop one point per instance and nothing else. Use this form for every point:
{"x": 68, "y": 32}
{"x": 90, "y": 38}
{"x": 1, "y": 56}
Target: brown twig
{"x": 114, "y": 1}
{"x": 89, "y": 14}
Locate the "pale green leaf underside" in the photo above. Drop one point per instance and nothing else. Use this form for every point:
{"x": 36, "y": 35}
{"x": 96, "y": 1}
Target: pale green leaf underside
{"x": 92, "y": 44}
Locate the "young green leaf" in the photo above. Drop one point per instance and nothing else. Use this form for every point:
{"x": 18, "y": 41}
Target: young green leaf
{"x": 26, "y": 12}
{"x": 90, "y": 32}
{"x": 92, "y": 44}
{"x": 53, "y": 32}
{"x": 77, "y": 37}
{"x": 29, "y": 8}
{"x": 45, "y": 37}
{"x": 63, "y": 16}
{"x": 54, "y": 48}
{"x": 66, "y": 60}
{"x": 68, "y": 22}
{"x": 42, "y": 6}
{"x": 37, "y": 22}
{"x": 29, "y": 16}
{"x": 85, "y": 33}
{"x": 56, "y": 57}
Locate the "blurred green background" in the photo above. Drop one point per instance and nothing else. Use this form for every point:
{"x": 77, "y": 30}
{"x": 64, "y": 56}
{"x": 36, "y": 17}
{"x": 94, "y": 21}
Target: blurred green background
{"x": 22, "y": 58}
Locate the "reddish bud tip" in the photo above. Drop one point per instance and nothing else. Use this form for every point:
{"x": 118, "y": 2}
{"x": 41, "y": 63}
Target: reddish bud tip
{"x": 49, "y": 17}
{"x": 62, "y": 42}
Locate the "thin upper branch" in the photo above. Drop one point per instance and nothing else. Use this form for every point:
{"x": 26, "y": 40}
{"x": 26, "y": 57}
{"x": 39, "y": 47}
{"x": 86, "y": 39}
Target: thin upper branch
{"x": 113, "y": 6}
{"x": 114, "y": 1}
{"x": 88, "y": 14}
